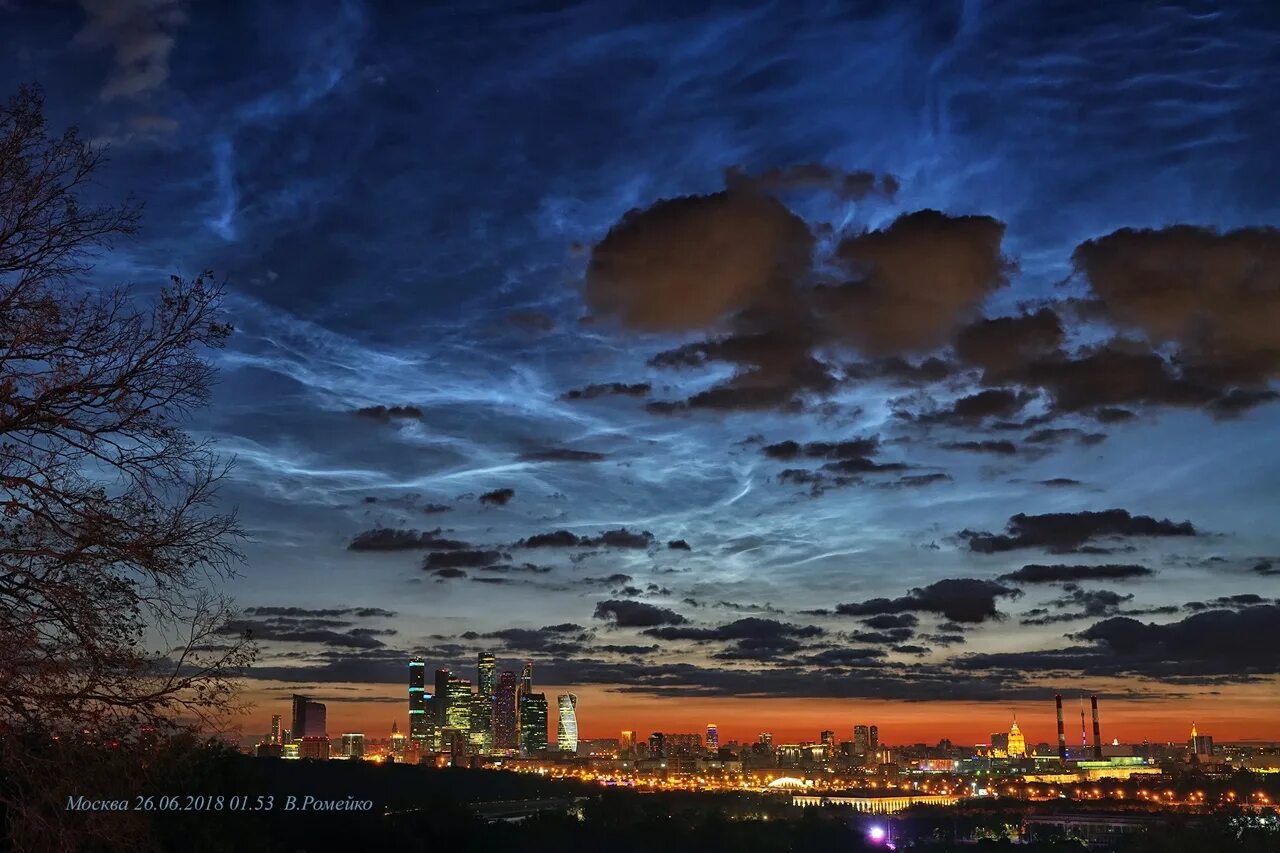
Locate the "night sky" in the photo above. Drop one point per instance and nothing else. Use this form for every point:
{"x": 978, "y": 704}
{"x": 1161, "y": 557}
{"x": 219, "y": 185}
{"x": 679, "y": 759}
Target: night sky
{"x": 843, "y": 355}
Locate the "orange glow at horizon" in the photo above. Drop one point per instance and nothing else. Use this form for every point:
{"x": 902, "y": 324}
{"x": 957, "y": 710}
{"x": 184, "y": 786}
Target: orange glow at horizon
{"x": 1246, "y": 712}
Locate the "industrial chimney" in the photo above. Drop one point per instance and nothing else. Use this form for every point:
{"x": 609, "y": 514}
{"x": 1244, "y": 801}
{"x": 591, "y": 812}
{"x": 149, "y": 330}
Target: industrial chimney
{"x": 1097, "y": 730}
{"x": 1062, "y": 733}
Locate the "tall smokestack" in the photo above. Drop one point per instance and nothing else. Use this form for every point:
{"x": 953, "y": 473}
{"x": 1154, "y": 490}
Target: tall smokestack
{"x": 1097, "y": 730}
{"x": 1062, "y": 733}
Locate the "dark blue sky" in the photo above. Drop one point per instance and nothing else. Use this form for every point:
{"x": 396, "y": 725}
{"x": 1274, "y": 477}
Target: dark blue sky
{"x": 408, "y": 205}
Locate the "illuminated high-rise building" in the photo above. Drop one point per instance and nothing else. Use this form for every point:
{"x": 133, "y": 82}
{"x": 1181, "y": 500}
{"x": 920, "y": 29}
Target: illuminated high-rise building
{"x": 567, "y": 724}
{"x": 353, "y": 745}
{"x": 627, "y": 743}
{"x": 398, "y": 749}
{"x": 421, "y": 725}
{"x": 480, "y": 735}
{"x": 486, "y": 675}
{"x": 533, "y": 723}
{"x": 766, "y": 738}
{"x": 861, "y": 740}
{"x": 713, "y": 737}
{"x": 457, "y": 714}
{"x": 1017, "y": 743}
{"x": 657, "y": 745}
{"x": 828, "y": 739}
{"x": 276, "y": 735}
{"x": 440, "y": 698}
{"x": 505, "y": 733}
{"x": 524, "y": 688}
{"x": 873, "y": 738}
{"x": 308, "y": 718}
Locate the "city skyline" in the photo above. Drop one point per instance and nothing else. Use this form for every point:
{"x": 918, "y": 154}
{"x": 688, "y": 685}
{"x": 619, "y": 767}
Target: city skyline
{"x": 910, "y": 362}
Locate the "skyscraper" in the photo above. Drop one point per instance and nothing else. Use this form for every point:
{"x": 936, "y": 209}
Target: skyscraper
{"x": 567, "y": 724}
{"x": 421, "y": 726}
{"x": 524, "y": 688}
{"x": 353, "y": 745}
{"x": 308, "y": 718}
{"x": 713, "y": 737}
{"x": 627, "y": 743}
{"x": 505, "y": 734}
{"x": 1017, "y": 743}
{"x": 457, "y": 713}
{"x": 873, "y": 735}
{"x": 441, "y": 697}
{"x": 861, "y": 740}
{"x": 533, "y": 723}
{"x": 276, "y": 736}
{"x": 486, "y": 675}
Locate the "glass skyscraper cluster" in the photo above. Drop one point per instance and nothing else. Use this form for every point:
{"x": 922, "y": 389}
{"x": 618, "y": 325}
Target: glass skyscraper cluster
{"x": 499, "y": 715}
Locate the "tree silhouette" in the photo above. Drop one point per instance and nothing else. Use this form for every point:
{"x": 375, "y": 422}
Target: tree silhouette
{"x": 110, "y": 544}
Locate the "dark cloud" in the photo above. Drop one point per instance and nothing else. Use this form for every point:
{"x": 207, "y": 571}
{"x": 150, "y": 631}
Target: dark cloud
{"x": 882, "y": 638}
{"x": 1002, "y": 345}
{"x": 891, "y": 620}
{"x": 748, "y": 628}
{"x": 915, "y": 282}
{"x": 617, "y": 579}
{"x": 1059, "y": 482}
{"x": 636, "y": 614}
{"x": 1063, "y": 532}
{"x": 959, "y": 599}
{"x": 561, "y": 454}
{"x": 920, "y": 651}
{"x": 1000, "y": 447}
{"x": 788, "y": 450}
{"x": 1230, "y": 602}
{"x": 295, "y": 630}
{"x": 141, "y": 35}
{"x": 849, "y": 186}
{"x": 1059, "y": 573}
{"x": 901, "y": 371}
{"x": 1210, "y": 294}
{"x": 620, "y": 538}
{"x": 1265, "y": 567}
{"x": 386, "y": 414}
{"x": 1089, "y": 604}
{"x": 972, "y": 409}
{"x": 449, "y": 573}
{"x": 609, "y": 389}
{"x": 1059, "y": 434}
{"x": 687, "y": 263}
{"x": 472, "y": 558}
{"x": 678, "y": 545}
{"x": 920, "y": 480}
{"x": 1113, "y": 416}
{"x": 845, "y": 657}
{"x": 303, "y": 612}
{"x": 498, "y": 497}
{"x": 391, "y": 539}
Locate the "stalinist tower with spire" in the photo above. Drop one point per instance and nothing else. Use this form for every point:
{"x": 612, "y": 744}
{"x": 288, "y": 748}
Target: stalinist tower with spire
{"x": 1017, "y": 743}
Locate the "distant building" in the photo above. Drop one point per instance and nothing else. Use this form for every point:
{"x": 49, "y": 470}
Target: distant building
{"x": 999, "y": 744}
{"x": 627, "y": 743}
{"x": 353, "y": 745}
{"x": 1017, "y": 743}
{"x": 828, "y": 739}
{"x": 713, "y": 737}
{"x": 1200, "y": 745}
{"x": 567, "y": 723}
{"x": 505, "y": 734}
{"x": 657, "y": 745}
{"x": 533, "y": 723}
{"x": 861, "y": 740}
{"x": 457, "y": 713}
{"x": 268, "y": 750}
{"x": 440, "y": 699}
{"x": 308, "y": 718}
{"x": 486, "y": 675}
{"x": 766, "y": 738}
{"x": 315, "y": 748}
{"x": 421, "y": 725}
{"x": 873, "y": 736}
{"x": 277, "y": 736}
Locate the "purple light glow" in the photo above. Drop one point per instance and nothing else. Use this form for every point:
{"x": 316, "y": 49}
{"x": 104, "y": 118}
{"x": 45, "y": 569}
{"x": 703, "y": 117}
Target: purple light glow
{"x": 876, "y": 834}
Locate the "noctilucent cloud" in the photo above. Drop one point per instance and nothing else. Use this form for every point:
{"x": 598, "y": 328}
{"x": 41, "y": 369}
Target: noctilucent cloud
{"x": 859, "y": 351}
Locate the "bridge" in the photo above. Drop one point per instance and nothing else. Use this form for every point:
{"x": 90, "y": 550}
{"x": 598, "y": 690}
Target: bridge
{"x": 876, "y": 805}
